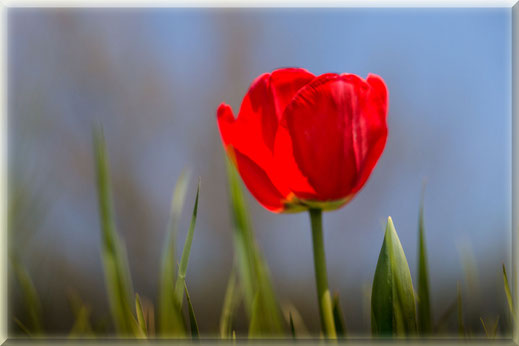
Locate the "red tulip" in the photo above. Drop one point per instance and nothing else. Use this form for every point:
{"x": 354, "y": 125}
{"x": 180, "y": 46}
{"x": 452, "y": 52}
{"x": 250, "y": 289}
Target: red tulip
{"x": 302, "y": 141}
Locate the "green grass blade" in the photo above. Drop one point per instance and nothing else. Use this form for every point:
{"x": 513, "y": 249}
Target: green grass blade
{"x": 392, "y": 299}
{"x": 117, "y": 274}
{"x": 461, "y": 325}
{"x": 508, "y": 294}
{"x": 292, "y": 327}
{"x": 338, "y": 317}
{"x": 192, "y": 319}
{"x": 170, "y": 319}
{"x": 82, "y": 326}
{"x": 230, "y": 303}
{"x": 182, "y": 269}
{"x": 260, "y": 301}
{"x": 490, "y": 331}
{"x": 31, "y": 300}
{"x": 442, "y": 321}
{"x": 140, "y": 315}
{"x": 243, "y": 238}
{"x": 23, "y": 327}
{"x": 424, "y": 301}
{"x": 295, "y": 322}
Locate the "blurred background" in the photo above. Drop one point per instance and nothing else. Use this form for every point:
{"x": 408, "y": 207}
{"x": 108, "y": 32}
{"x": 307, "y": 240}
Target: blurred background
{"x": 154, "y": 79}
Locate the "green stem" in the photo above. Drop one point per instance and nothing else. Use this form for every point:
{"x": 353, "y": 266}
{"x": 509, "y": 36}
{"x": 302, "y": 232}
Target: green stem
{"x": 321, "y": 278}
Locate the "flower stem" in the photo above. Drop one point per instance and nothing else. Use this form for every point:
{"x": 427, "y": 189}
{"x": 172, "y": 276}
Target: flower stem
{"x": 321, "y": 278}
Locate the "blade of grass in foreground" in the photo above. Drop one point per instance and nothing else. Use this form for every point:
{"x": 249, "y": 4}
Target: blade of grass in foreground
{"x": 243, "y": 238}
{"x": 508, "y": 293}
{"x": 424, "y": 305}
{"x": 82, "y": 326}
{"x": 140, "y": 314}
{"x": 338, "y": 317}
{"x": 292, "y": 327}
{"x": 461, "y": 325}
{"x": 192, "y": 319}
{"x": 170, "y": 319}
{"x": 295, "y": 321}
{"x": 117, "y": 274}
{"x": 392, "y": 298}
{"x": 230, "y": 303}
{"x": 491, "y": 330}
{"x": 182, "y": 269}
{"x": 31, "y": 300}
{"x": 260, "y": 300}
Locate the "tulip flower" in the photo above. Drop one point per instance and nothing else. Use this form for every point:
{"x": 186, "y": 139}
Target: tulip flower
{"x": 302, "y": 142}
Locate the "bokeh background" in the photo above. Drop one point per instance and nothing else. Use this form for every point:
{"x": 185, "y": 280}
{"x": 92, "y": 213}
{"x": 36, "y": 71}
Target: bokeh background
{"x": 154, "y": 78}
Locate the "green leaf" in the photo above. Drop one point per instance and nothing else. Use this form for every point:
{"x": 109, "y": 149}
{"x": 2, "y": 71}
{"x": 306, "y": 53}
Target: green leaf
{"x": 461, "y": 325}
{"x": 243, "y": 238}
{"x": 140, "y": 315}
{"x": 266, "y": 310}
{"x": 338, "y": 318}
{"x": 230, "y": 303}
{"x": 295, "y": 321}
{"x": 442, "y": 321}
{"x": 292, "y": 327}
{"x": 170, "y": 319}
{"x": 23, "y": 327}
{"x": 182, "y": 269}
{"x": 260, "y": 301}
{"x": 82, "y": 327}
{"x": 31, "y": 300}
{"x": 192, "y": 318}
{"x": 490, "y": 330}
{"x": 117, "y": 274}
{"x": 424, "y": 305}
{"x": 392, "y": 300}
{"x": 508, "y": 293}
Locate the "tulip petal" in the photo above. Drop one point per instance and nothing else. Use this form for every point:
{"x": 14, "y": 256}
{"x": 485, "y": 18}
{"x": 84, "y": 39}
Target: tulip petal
{"x": 267, "y": 98}
{"x": 258, "y": 183}
{"x": 254, "y": 131}
{"x": 330, "y": 123}
{"x": 373, "y": 138}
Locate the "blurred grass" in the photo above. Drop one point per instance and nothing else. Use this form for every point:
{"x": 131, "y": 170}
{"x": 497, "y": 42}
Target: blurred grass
{"x": 115, "y": 263}
{"x": 260, "y": 302}
{"x": 423, "y": 299}
{"x": 170, "y": 320}
{"x": 393, "y": 308}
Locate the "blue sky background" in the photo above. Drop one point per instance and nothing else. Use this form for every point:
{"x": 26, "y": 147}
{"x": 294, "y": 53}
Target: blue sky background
{"x": 154, "y": 79}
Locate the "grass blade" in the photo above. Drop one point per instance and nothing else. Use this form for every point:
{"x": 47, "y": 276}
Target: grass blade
{"x": 442, "y": 321}
{"x": 192, "y": 318}
{"x": 295, "y": 321}
{"x": 508, "y": 293}
{"x": 170, "y": 320}
{"x": 82, "y": 326}
{"x": 140, "y": 315}
{"x": 243, "y": 238}
{"x": 182, "y": 269}
{"x": 424, "y": 301}
{"x": 260, "y": 301}
{"x": 292, "y": 327}
{"x": 23, "y": 327}
{"x": 31, "y": 300}
{"x": 230, "y": 303}
{"x": 117, "y": 274}
{"x": 338, "y": 318}
{"x": 492, "y": 331}
{"x": 461, "y": 325}
{"x": 392, "y": 299}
